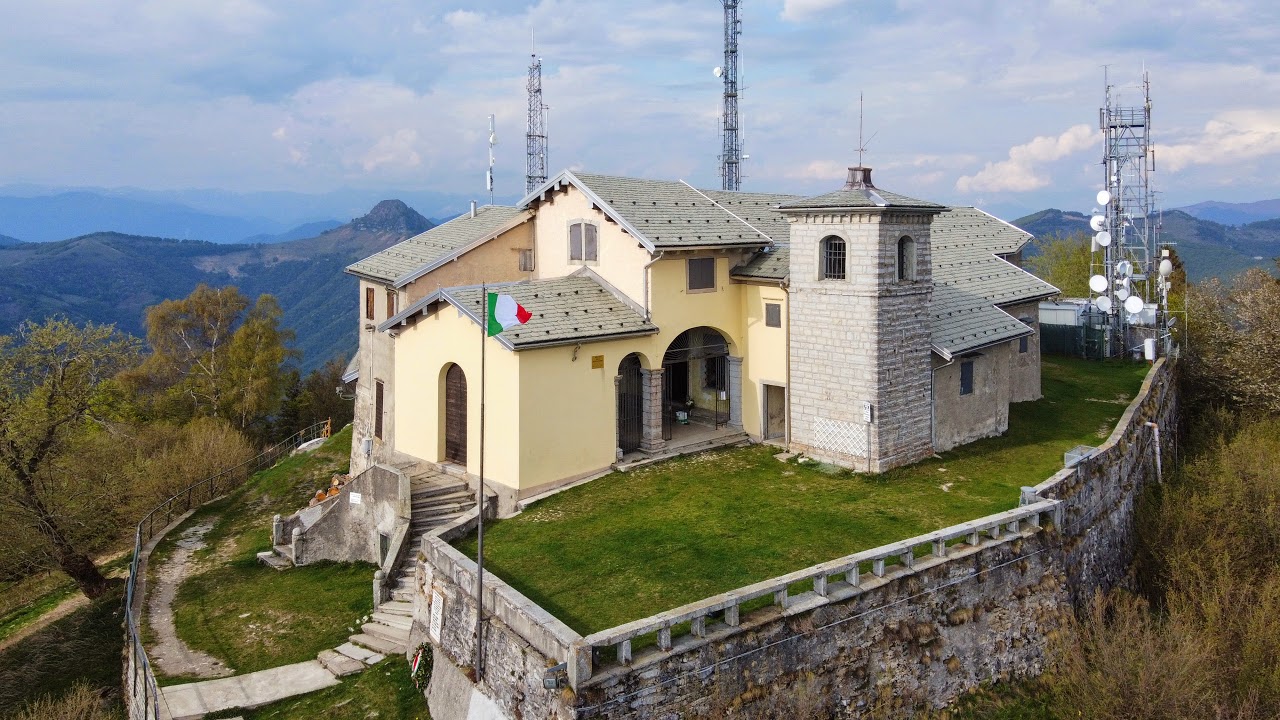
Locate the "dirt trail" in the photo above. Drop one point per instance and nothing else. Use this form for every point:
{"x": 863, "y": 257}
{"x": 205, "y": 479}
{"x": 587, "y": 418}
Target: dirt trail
{"x": 168, "y": 652}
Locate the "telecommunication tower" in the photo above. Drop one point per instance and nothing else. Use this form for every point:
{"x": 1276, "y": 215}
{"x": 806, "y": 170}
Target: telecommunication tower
{"x": 731, "y": 143}
{"x": 1130, "y": 267}
{"x": 535, "y": 164}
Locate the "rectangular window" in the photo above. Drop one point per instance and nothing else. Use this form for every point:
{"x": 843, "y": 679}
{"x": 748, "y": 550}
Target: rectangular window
{"x": 526, "y": 261}
{"x": 589, "y": 244}
{"x": 377, "y": 409}
{"x": 1022, "y": 344}
{"x": 368, "y": 303}
{"x": 966, "y": 377}
{"x": 391, "y": 303}
{"x": 575, "y": 242}
{"x": 702, "y": 274}
{"x": 773, "y": 315}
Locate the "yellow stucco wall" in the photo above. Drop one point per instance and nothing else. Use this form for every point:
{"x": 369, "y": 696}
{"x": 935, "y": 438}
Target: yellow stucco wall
{"x": 621, "y": 259}
{"x": 765, "y": 361}
{"x": 495, "y": 261}
{"x": 423, "y": 352}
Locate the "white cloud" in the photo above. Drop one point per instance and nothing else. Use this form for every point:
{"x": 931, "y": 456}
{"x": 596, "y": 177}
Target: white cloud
{"x": 1229, "y": 139}
{"x": 1022, "y": 171}
{"x": 801, "y": 10}
{"x": 395, "y": 150}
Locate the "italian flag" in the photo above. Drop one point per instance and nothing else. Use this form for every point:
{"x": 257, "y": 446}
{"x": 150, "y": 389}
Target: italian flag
{"x": 505, "y": 312}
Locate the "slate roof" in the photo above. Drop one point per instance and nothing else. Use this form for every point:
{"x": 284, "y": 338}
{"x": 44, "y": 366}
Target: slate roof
{"x": 565, "y": 310}
{"x": 399, "y": 263}
{"x": 867, "y": 197}
{"x": 771, "y": 263}
{"x": 665, "y": 214}
{"x": 969, "y": 280}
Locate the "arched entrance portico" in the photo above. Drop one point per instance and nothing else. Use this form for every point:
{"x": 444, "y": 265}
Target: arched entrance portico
{"x": 702, "y": 382}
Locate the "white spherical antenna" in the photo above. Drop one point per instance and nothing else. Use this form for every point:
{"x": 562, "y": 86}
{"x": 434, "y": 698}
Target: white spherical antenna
{"x": 1097, "y": 283}
{"x": 718, "y": 71}
{"x": 1122, "y": 293}
{"x": 1166, "y": 268}
{"x": 1104, "y": 197}
{"x": 1134, "y": 319}
{"x": 1122, "y": 282}
{"x": 1124, "y": 268}
{"x": 1133, "y": 305}
{"x": 1097, "y": 222}
{"x": 1103, "y": 238}
{"x": 1103, "y": 303}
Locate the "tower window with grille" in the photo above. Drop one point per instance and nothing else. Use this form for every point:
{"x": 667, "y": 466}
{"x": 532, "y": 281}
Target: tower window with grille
{"x": 906, "y": 259}
{"x": 833, "y": 258}
{"x": 583, "y": 243}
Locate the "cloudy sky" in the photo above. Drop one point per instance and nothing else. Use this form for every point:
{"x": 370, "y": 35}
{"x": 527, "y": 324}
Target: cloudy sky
{"x": 987, "y": 103}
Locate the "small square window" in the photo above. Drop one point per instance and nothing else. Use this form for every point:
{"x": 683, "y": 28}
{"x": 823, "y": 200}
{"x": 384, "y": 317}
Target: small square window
{"x": 966, "y": 377}
{"x": 1022, "y": 344}
{"x": 773, "y": 315}
{"x": 702, "y": 274}
{"x": 526, "y": 261}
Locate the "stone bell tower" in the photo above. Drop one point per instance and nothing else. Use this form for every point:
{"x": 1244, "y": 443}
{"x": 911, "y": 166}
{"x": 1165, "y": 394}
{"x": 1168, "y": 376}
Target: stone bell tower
{"x": 860, "y": 292}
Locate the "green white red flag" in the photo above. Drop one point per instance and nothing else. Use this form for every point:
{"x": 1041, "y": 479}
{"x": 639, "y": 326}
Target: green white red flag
{"x": 505, "y": 312}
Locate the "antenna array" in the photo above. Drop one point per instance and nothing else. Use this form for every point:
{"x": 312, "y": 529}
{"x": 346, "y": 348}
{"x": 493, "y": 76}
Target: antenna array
{"x": 535, "y": 164}
{"x": 1130, "y": 283}
{"x": 731, "y": 144}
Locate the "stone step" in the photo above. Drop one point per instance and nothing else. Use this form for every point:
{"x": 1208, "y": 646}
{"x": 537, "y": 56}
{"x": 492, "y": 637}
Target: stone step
{"x": 378, "y": 644}
{"x": 405, "y": 596}
{"x": 400, "y": 622}
{"x": 442, "y": 512}
{"x": 393, "y": 607}
{"x": 386, "y": 632}
{"x": 338, "y": 664}
{"x": 275, "y": 560}
{"x": 436, "y": 489}
{"x": 460, "y": 502}
{"x": 355, "y": 652}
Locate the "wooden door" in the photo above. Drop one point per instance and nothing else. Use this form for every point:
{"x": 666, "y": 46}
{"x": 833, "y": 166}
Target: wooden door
{"x": 775, "y": 411}
{"x": 455, "y": 415}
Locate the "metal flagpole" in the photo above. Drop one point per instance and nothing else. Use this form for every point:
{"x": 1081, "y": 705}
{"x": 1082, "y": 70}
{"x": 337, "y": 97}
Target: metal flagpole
{"x": 484, "y": 340}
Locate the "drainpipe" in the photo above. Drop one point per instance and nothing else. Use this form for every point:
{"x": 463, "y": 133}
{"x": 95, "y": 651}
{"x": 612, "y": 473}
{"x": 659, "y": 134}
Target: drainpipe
{"x": 647, "y": 265}
{"x": 1159, "y": 468}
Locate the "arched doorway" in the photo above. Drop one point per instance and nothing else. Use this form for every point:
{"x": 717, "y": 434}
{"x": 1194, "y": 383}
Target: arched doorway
{"x": 455, "y": 415}
{"x": 695, "y": 380}
{"x": 630, "y": 404}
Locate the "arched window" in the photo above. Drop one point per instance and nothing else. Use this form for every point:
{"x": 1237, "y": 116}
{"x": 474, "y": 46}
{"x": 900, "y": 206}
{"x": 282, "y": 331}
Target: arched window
{"x": 906, "y": 259}
{"x": 833, "y": 258}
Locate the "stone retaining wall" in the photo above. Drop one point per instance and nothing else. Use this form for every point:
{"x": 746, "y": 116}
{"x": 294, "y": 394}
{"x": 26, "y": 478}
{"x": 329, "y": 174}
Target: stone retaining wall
{"x": 984, "y": 604}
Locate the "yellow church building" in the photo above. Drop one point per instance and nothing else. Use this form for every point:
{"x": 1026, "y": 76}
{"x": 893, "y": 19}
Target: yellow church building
{"x": 860, "y": 327}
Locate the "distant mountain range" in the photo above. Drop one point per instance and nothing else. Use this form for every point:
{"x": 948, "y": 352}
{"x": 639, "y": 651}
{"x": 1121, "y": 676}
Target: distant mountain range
{"x": 111, "y": 277}
{"x": 1208, "y": 248}
{"x": 5, "y": 241}
{"x": 1234, "y": 213}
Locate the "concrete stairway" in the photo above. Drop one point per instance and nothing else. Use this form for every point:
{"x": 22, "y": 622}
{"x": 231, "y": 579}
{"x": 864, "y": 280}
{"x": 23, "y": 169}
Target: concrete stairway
{"x": 438, "y": 498}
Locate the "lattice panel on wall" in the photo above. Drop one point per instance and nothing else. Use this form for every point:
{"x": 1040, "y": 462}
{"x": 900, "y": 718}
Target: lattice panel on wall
{"x": 843, "y": 437}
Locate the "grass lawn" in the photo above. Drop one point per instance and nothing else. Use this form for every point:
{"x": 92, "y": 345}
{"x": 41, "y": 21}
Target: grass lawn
{"x": 246, "y": 614}
{"x": 383, "y": 691}
{"x": 86, "y": 646}
{"x": 630, "y": 545}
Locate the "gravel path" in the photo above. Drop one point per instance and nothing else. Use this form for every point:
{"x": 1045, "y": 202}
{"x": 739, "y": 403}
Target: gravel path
{"x": 168, "y": 652}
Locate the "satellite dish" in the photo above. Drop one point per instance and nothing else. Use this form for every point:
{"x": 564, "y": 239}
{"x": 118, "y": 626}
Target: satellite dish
{"x": 1124, "y": 267}
{"x": 1166, "y": 268}
{"x": 1172, "y": 321}
{"x": 1133, "y": 305}
{"x": 1122, "y": 293}
{"x": 1103, "y": 303}
{"x": 1097, "y": 222}
{"x": 1103, "y": 238}
{"x": 1097, "y": 283}
{"x": 718, "y": 71}
{"x": 1122, "y": 282}
{"x": 1104, "y": 197}
{"x": 1134, "y": 319}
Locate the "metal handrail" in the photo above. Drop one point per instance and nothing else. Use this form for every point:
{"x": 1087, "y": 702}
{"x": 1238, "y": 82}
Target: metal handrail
{"x": 190, "y": 497}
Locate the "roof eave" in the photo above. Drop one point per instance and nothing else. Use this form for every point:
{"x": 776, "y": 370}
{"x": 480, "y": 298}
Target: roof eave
{"x": 585, "y": 339}
{"x": 604, "y": 207}
{"x": 514, "y": 222}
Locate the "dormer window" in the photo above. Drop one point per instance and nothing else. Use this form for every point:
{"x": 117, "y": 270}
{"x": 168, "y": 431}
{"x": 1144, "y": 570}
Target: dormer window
{"x": 906, "y": 259}
{"x": 583, "y": 243}
{"x": 833, "y": 256}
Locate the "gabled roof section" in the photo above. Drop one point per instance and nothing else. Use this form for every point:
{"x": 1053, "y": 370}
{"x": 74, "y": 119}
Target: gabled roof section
{"x": 970, "y": 280}
{"x": 770, "y": 264}
{"x": 565, "y": 311}
{"x": 663, "y": 214}
{"x": 410, "y": 259}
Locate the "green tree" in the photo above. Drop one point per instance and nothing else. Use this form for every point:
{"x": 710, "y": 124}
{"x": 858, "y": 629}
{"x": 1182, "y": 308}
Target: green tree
{"x": 51, "y": 381}
{"x": 1064, "y": 262}
{"x": 256, "y": 379}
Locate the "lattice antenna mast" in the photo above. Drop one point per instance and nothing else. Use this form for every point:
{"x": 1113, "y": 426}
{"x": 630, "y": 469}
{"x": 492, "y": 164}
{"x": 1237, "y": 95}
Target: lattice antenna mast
{"x": 731, "y": 143}
{"x": 535, "y": 164}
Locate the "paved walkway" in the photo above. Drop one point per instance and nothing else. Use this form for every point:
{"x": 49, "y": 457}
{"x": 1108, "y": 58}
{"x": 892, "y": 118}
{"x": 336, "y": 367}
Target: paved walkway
{"x": 169, "y": 653}
{"x": 194, "y": 700}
